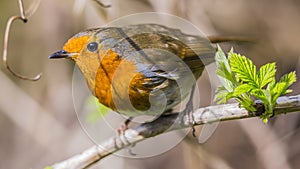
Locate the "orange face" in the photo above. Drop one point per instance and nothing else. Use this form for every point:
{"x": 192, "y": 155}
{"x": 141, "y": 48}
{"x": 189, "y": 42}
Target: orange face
{"x": 76, "y": 45}
{"x": 84, "y": 50}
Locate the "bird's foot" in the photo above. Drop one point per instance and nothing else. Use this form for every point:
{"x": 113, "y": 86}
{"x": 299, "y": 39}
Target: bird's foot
{"x": 124, "y": 126}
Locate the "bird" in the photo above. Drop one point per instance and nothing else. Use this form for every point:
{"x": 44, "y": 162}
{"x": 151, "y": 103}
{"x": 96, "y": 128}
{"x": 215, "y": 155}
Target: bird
{"x": 141, "y": 69}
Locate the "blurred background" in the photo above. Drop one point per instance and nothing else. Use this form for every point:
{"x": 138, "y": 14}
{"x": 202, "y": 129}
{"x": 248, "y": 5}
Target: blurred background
{"x": 38, "y": 123}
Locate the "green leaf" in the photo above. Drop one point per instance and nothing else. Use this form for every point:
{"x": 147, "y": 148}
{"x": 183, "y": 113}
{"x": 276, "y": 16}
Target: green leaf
{"x": 229, "y": 96}
{"x": 269, "y": 104}
{"x": 241, "y": 89}
{"x": 221, "y": 94}
{"x": 229, "y": 86}
{"x": 259, "y": 94}
{"x": 222, "y": 59}
{"x": 244, "y": 69}
{"x": 224, "y": 71}
{"x": 243, "y": 82}
{"x": 271, "y": 84}
{"x": 266, "y": 74}
{"x": 278, "y": 90}
{"x": 246, "y": 102}
{"x": 289, "y": 78}
{"x": 288, "y": 91}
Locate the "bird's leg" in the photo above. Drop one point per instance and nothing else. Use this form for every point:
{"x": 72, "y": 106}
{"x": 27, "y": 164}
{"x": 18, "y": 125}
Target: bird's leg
{"x": 124, "y": 126}
{"x": 121, "y": 130}
{"x": 188, "y": 111}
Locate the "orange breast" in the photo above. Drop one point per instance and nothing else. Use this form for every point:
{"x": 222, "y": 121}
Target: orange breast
{"x": 118, "y": 84}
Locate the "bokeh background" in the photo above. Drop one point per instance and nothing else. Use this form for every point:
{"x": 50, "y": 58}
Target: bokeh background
{"x": 38, "y": 124}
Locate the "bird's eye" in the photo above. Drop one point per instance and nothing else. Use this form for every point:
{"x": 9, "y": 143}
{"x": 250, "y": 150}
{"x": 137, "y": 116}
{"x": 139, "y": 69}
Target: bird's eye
{"x": 92, "y": 47}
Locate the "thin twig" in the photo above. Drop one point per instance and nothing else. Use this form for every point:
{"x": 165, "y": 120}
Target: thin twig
{"x": 169, "y": 123}
{"x": 102, "y": 4}
{"x": 22, "y": 12}
{"x": 22, "y": 17}
{"x": 220, "y": 39}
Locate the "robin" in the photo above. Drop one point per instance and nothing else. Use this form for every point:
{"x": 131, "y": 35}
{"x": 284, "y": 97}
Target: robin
{"x": 144, "y": 69}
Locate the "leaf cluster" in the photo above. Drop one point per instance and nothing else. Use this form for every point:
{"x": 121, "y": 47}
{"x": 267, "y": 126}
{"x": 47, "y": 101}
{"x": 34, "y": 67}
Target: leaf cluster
{"x": 242, "y": 81}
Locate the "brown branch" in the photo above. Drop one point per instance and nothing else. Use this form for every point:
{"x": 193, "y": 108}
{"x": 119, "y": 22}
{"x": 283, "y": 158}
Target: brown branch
{"x": 102, "y": 4}
{"x": 168, "y": 123}
{"x": 10, "y": 21}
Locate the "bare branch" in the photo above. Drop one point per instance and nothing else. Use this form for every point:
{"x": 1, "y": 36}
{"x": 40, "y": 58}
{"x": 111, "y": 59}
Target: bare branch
{"x": 10, "y": 21}
{"x": 102, "y": 4}
{"x": 168, "y": 123}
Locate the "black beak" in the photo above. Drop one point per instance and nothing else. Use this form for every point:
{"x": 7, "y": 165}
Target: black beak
{"x": 60, "y": 54}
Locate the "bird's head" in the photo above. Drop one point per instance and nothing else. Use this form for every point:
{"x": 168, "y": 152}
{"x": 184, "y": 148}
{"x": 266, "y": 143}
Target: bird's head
{"x": 84, "y": 49}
